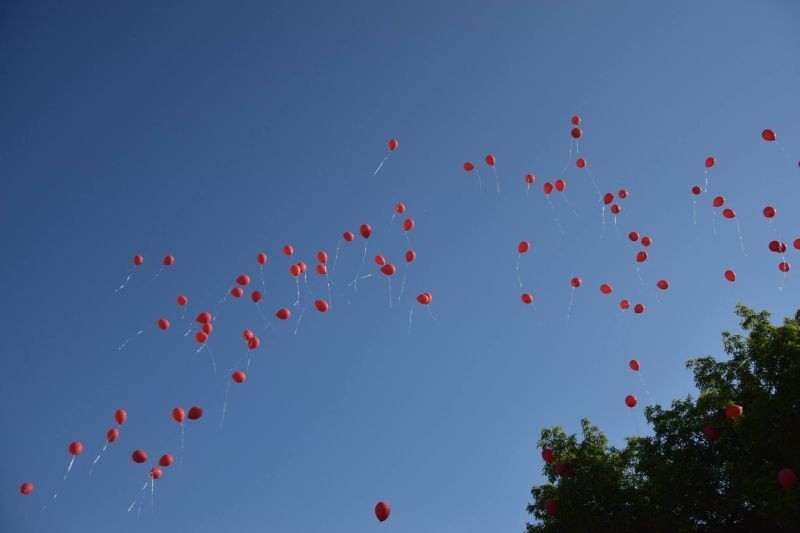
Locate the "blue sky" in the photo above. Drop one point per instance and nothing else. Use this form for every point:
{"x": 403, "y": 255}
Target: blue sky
{"x": 213, "y": 133}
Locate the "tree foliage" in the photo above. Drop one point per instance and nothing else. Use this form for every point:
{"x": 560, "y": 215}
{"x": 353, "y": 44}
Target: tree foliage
{"x": 708, "y": 466}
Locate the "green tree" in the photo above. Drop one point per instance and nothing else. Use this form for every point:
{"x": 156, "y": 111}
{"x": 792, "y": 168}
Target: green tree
{"x": 711, "y": 464}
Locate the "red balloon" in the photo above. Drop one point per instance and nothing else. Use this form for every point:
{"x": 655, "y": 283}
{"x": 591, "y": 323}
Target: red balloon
{"x": 400, "y": 208}
{"x": 711, "y": 433}
{"x": 26, "y": 488}
{"x": 178, "y": 414}
{"x": 182, "y": 300}
{"x": 393, "y": 144}
{"x": 697, "y": 190}
{"x": 166, "y": 460}
{"x": 424, "y": 298}
{"x": 526, "y": 298}
{"x": 201, "y": 337}
{"x": 388, "y": 269}
{"x": 490, "y": 160}
{"x": 550, "y": 506}
{"x": 261, "y": 258}
{"x": 638, "y": 309}
{"x": 662, "y": 284}
{"x": 796, "y": 244}
{"x": 112, "y": 434}
{"x": 728, "y": 213}
{"x": 408, "y": 224}
{"x": 156, "y": 472}
{"x": 530, "y": 179}
{"x": 207, "y": 328}
{"x": 469, "y": 167}
{"x": 163, "y": 323}
{"x": 547, "y": 188}
{"x": 237, "y": 292}
{"x": 410, "y": 255}
{"x": 630, "y": 400}
{"x": 733, "y": 411}
{"x": 730, "y": 275}
{"x": 256, "y": 296}
{"x": 710, "y": 162}
{"x": 322, "y": 257}
{"x": 294, "y": 270}
{"x": 576, "y": 133}
{"x": 302, "y": 266}
{"x": 365, "y": 230}
{"x": 139, "y": 456}
{"x": 138, "y": 260}
{"x": 641, "y": 256}
{"x": 605, "y": 288}
{"x": 75, "y": 448}
{"x": 576, "y": 120}
{"x": 321, "y": 305}
{"x": 247, "y": 334}
{"x": 120, "y": 415}
{"x": 382, "y": 510}
{"x": 580, "y": 162}
{"x": 195, "y": 413}
{"x": 523, "y": 247}
{"x": 288, "y": 250}
{"x": 575, "y": 282}
{"x": 253, "y": 342}
{"x": 548, "y": 455}
{"x": 348, "y": 236}
{"x": 718, "y": 201}
{"x": 243, "y": 279}
{"x": 646, "y": 241}
{"x": 634, "y": 364}
{"x": 786, "y": 477}
{"x": 380, "y": 260}
{"x": 770, "y": 211}
{"x": 561, "y": 185}
{"x": 283, "y": 314}
{"x": 608, "y": 198}
{"x": 615, "y": 209}
{"x": 239, "y": 376}
{"x": 624, "y": 304}
{"x": 168, "y": 260}
{"x": 783, "y": 266}
{"x": 203, "y": 317}
{"x": 633, "y": 236}
{"x": 322, "y": 270}
{"x": 622, "y": 193}
{"x": 768, "y": 135}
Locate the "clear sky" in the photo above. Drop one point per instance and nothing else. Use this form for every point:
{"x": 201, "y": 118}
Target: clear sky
{"x": 215, "y": 131}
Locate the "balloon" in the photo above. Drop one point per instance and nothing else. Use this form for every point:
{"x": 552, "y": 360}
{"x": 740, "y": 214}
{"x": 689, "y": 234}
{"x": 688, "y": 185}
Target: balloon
{"x": 580, "y": 162}
{"x": 207, "y": 328}
{"x": 322, "y": 257}
{"x": 139, "y": 456}
{"x": 630, "y": 400}
{"x": 550, "y": 506}
{"x": 638, "y": 309}
{"x": 166, "y": 460}
{"x": 388, "y": 269}
{"x": 283, "y": 314}
{"x": 710, "y": 162}
{"x": 243, "y": 279}
{"x": 400, "y": 208}
{"x": 26, "y": 488}
{"x": 646, "y": 241}
{"x": 410, "y": 255}
{"x": 201, "y": 337}
{"x": 730, "y": 275}
{"x": 203, "y": 317}
{"x": 575, "y": 282}
{"x": 662, "y": 284}
{"x": 548, "y": 455}
{"x": 523, "y": 247}
{"x": 711, "y": 433}
{"x": 321, "y": 305}
{"x": 733, "y": 411}
{"x": 178, "y": 414}
{"x": 393, "y": 144}
{"x": 728, "y": 213}
{"x": 253, "y": 342}
{"x": 288, "y": 250}
{"x": 605, "y": 288}
{"x": 182, "y": 300}
{"x": 783, "y": 266}
{"x": 408, "y": 224}
{"x": 633, "y": 236}
{"x": 247, "y": 334}
{"x": 561, "y": 185}
{"x": 786, "y": 477}
{"x": 576, "y": 133}
{"x": 563, "y": 470}
{"x": 770, "y": 211}
{"x": 576, "y": 120}
{"x": 796, "y": 244}
{"x": 469, "y": 167}
{"x": 322, "y": 270}
{"x": 622, "y": 193}
{"x": 608, "y": 198}
{"x": 163, "y": 323}
{"x": 156, "y": 472}
{"x": 195, "y": 413}
{"x": 112, "y": 434}
{"x": 768, "y": 135}
{"x": 490, "y": 160}
{"x": 75, "y": 448}
{"x": 237, "y": 292}
{"x": 697, "y": 190}
{"x": 261, "y": 258}
{"x": 239, "y": 376}
{"x": 380, "y": 260}
{"x": 624, "y": 304}
{"x": 138, "y": 260}
{"x": 168, "y": 260}
{"x": 120, "y": 415}
{"x": 302, "y": 266}
{"x": 530, "y": 179}
{"x": 526, "y": 298}
{"x": 256, "y": 296}
{"x": 348, "y": 236}
{"x": 615, "y": 209}
{"x": 294, "y": 270}
{"x": 718, "y": 201}
{"x": 547, "y": 188}
{"x": 382, "y": 510}
{"x": 634, "y": 364}
{"x": 424, "y": 299}
{"x": 365, "y": 230}
{"x": 641, "y": 256}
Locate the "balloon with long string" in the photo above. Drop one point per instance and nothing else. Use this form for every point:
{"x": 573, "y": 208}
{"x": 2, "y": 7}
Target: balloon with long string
{"x": 261, "y": 259}
{"x": 365, "y": 230}
{"x": 469, "y": 167}
{"x": 75, "y": 448}
{"x": 522, "y": 248}
{"x": 730, "y": 214}
{"x": 409, "y": 256}
{"x": 716, "y": 203}
{"x": 608, "y": 199}
{"x": 399, "y": 209}
{"x": 183, "y": 302}
{"x": 709, "y": 163}
{"x": 561, "y": 187}
{"x": 388, "y": 270}
{"x": 111, "y": 436}
{"x": 491, "y": 161}
{"x": 635, "y": 366}
{"x": 583, "y": 164}
{"x": 347, "y": 236}
{"x": 239, "y": 377}
{"x": 548, "y": 188}
{"x": 575, "y": 134}
{"x": 138, "y": 260}
{"x": 530, "y": 179}
{"x": 575, "y": 282}
{"x": 408, "y": 225}
{"x": 771, "y": 137}
{"x": 424, "y": 299}
{"x": 295, "y": 271}
{"x": 392, "y": 144}
{"x": 168, "y": 261}
{"x": 696, "y": 191}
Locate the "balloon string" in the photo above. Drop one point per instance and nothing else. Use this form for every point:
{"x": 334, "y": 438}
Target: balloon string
{"x": 308, "y": 287}
{"x": 155, "y": 277}
{"x": 124, "y": 283}
{"x": 225, "y": 405}
{"x": 403, "y": 283}
{"x": 389, "y": 278}
{"x": 336, "y": 258}
{"x": 363, "y": 257}
{"x": 410, "y": 314}
{"x": 263, "y": 285}
{"x": 297, "y": 301}
{"x": 555, "y": 217}
{"x": 497, "y": 179}
{"x": 121, "y": 346}
{"x": 213, "y": 363}
{"x": 694, "y": 211}
{"x": 644, "y": 386}
{"x": 381, "y": 165}
{"x": 741, "y": 239}
{"x": 480, "y": 180}
{"x": 297, "y": 326}
{"x": 430, "y": 313}
{"x": 596, "y": 188}
{"x": 518, "y": 278}
{"x": 566, "y": 200}
{"x": 98, "y": 458}
{"x": 569, "y": 305}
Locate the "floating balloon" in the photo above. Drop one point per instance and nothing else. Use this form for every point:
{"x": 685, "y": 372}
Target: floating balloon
{"x": 178, "y": 415}
{"x": 408, "y": 224}
{"x": 424, "y": 298}
{"x": 288, "y": 250}
{"x": 237, "y": 292}
{"x": 550, "y": 506}
{"x": 718, "y": 201}
{"x": 469, "y": 167}
{"x": 641, "y": 256}
{"x": 728, "y": 213}
{"x": 575, "y": 120}
{"x": 139, "y": 456}
{"x": 182, "y": 300}
{"x": 382, "y": 510}
{"x": 697, "y": 190}
{"x": 523, "y": 247}
{"x": 294, "y": 270}
{"x": 243, "y": 279}
{"x": 166, "y": 460}
{"x": 156, "y": 472}
{"x": 608, "y": 198}
{"x": 769, "y": 211}
{"x": 710, "y": 162}
{"x": 615, "y": 209}
{"x": 207, "y": 328}
{"x": 662, "y": 284}
{"x": 112, "y": 435}
{"x": 380, "y": 260}
{"x": 530, "y": 179}
{"x": 548, "y": 455}
{"x": 526, "y": 298}
{"x": 786, "y": 477}
{"x": 247, "y": 334}
{"x": 195, "y": 413}
{"x": 203, "y": 317}
{"x": 580, "y": 162}
{"x": 633, "y": 236}
{"x": 348, "y": 236}
{"x": 253, "y": 342}
{"x": 26, "y": 488}
{"x": 561, "y": 185}
{"x": 322, "y": 256}
{"x": 490, "y": 160}
{"x": 605, "y": 288}
{"x": 163, "y": 323}
{"x": 138, "y": 260}
{"x": 239, "y": 376}
{"x": 399, "y": 208}
{"x": 302, "y": 266}
{"x": 646, "y": 241}
{"x": 321, "y": 305}
{"x": 622, "y": 193}
{"x": 733, "y": 411}
{"x": 575, "y": 282}
{"x": 638, "y": 309}
{"x": 410, "y": 255}
{"x": 201, "y": 337}
{"x": 322, "y": 270}
{"x": 730, "y": 275}
{"x": 768, "y": 135}
{"x": 630, "y": 400}
{"x": 388, "y": 269}
{"x": 393, "y": 144}
{"x": 634, "y": 364}
{"x": 783, "y": 266}
{"x": 796, "y": 244}
{"x": 576, "y": 133}
{"x": 120, "y": 416}
{"x": 168, "y": 260}
{"x": 75, "y": 448}
{"x": 548, "y": 188}
{"x": 624, "y": 304}
{"x": 256, "y": 296}
{"x": 365, "y": 230}
{"x": 283, "y": 314}
{"x": 261, "y": 258}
